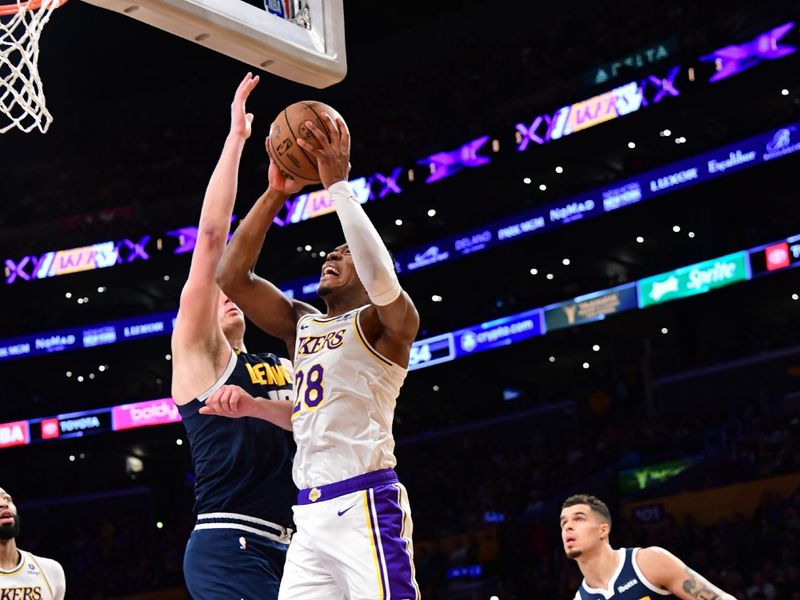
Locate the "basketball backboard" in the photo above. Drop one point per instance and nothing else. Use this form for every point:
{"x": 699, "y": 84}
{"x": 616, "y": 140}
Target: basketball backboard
{"x": 309, "y": 49}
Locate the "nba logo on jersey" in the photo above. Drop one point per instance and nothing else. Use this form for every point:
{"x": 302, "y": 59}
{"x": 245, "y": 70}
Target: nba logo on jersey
{"x": 279, "y": 8}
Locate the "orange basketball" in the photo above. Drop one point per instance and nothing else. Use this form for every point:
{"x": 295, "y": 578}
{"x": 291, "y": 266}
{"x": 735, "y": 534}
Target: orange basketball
{"x": 290, "y": 124}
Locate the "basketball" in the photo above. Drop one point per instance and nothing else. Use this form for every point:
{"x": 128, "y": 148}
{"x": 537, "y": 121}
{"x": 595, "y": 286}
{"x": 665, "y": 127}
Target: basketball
{"x": 290, "y": 124}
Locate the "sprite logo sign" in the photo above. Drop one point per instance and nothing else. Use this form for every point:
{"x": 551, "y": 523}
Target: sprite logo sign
{"x": 695, "y": 279}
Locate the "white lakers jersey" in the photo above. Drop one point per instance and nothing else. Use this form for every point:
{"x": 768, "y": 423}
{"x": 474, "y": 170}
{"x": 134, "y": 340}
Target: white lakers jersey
{"x": 34, "y": 578}
{"x": 345, "y": 396}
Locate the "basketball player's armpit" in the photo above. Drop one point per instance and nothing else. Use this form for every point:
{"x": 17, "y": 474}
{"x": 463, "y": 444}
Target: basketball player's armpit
{"x": 372, "y": 260}
{"x": 696, "y": 586}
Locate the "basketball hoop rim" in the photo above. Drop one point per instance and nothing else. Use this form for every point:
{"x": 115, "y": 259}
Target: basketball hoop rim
{"x": 10, "y": 9}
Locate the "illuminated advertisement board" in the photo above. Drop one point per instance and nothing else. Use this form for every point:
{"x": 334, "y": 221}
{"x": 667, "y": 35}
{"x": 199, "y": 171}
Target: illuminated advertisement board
{"x": 87, "y": 337}
{"x": 432, "y": 351}
{"x": 591, "y": 307}
{"x": 634, "y": 480}
{"x": 315, "y": 204}
{"x": 14, "y": 434}
{"x": 618, "y": 102}
{"x": 144, "y": 414}
{"x": 737, "y": 58}
{"x": 695, "y": 279}
{"x": 478, "y": 338}
{"x": 71, "y": 425}
{"x": 499, "y": 332}
{"x": 639, "y": 59}
{"x": 449, "y": 346}
{"x": 75, "y": 260}
{"x": 670, "y": 178}
{"x": 775, "y": 257}
{"x": 723, "y": 161}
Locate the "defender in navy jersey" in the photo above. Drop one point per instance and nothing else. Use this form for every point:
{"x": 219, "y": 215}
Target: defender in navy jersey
{"x": 243, "y": 486}
{"x": 625, "y": 573}
{"x": 354, "y": 527}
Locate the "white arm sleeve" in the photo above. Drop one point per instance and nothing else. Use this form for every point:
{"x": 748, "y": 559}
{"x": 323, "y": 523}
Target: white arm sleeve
{"x": 370, "y": 256}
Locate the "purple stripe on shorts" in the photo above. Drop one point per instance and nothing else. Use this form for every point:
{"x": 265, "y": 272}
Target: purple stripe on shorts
{"x": 374, "y": 532}
{"x": 348, "y": 486}
{"x": 398, "y": 560}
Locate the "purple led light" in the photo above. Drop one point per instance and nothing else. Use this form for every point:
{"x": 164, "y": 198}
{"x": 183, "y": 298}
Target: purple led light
{"x": 737, "y": 58}
{"x": 137, "y": 249}
{"x": 388, "y": 184}
{"x": 16, "y": 269}
{"x": 528, "y": 134}
{"x": 663, "y": 85}
{"x": 445, "y": 164}
{"x": 187, "y": 238}
{"x": 615, "y": 103}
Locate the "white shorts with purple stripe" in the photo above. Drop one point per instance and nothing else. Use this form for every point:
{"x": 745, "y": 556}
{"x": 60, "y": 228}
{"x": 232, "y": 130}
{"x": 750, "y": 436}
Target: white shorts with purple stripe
{"x": 353, "y": 541}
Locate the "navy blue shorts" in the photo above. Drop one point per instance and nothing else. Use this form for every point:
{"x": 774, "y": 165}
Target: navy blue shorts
{"x": 231, "y": 564}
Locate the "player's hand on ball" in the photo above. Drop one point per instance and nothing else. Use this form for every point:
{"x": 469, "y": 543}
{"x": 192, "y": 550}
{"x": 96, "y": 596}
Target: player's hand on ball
{"x": 241, "y": 120}
{"x": 280, "y": 182}
{"x": 229, "y": 401}
{"x": 332, "y": 149}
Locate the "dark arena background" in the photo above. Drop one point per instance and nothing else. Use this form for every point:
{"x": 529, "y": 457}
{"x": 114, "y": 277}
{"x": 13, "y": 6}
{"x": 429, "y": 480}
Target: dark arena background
{"x": 593, "y": 204}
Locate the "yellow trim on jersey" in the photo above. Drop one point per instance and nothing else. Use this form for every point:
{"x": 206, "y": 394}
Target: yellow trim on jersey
{"x": 304, "y": 316}
{"x": 44, "y": 576}
{"x": 19, "y": 568}
{"x": 333, "y": 318}
{"x": 362, "y": 338}
{"x": 374, "y": 546}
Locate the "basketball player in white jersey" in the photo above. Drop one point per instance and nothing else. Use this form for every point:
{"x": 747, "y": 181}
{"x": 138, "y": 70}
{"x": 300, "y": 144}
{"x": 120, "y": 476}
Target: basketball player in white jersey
{"x": 353, "y": 523}
{"x": 23, "y": 575}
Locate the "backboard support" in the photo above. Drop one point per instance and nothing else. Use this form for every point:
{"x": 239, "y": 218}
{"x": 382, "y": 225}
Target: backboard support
{"x": 310, "y": 51}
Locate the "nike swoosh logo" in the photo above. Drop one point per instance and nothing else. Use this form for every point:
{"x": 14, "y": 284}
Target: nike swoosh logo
{"x": 341, "y": 512}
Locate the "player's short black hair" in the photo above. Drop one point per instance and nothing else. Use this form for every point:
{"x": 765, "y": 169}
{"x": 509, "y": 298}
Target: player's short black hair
{"x": 395, "y": 263}
{"x": 592, "y": 502}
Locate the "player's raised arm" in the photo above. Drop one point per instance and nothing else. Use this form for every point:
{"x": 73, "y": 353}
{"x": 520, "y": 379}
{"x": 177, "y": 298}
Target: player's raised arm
{"x": 261, "y": 301}
{"x": 667, "y": 571}
{"x": 397, "y": 319}
{"x": 197, "y": 322}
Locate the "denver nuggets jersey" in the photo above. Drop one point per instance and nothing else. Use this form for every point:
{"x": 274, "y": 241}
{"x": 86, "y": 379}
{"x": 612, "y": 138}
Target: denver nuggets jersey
{"x": 628, "y": 583}
{"x": 345, "y": 396}
{"x": 243, "y": 465}
{"x": 34, "y": 578}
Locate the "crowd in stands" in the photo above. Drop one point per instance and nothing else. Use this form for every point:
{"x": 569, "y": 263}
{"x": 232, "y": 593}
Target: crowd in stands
{"x": 491, "y": 497}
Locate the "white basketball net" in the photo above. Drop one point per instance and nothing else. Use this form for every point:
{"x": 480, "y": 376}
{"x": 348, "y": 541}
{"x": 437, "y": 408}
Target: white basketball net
{"x": 22, "y": 101}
